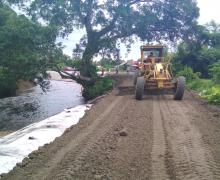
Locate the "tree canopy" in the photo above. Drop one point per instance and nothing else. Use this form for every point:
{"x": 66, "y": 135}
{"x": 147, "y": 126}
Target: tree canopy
{"x": 108, "y": 21}
{"x": 25, "y": 49}
{"x": 203, "y": 50}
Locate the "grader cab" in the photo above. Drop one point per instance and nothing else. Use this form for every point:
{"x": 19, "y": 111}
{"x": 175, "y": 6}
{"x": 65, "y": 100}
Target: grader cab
{"x": 154, "y": 72}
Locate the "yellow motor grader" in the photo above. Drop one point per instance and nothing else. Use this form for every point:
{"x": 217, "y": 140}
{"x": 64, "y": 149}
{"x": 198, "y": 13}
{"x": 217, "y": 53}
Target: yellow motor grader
{"x": 154, "y": 72}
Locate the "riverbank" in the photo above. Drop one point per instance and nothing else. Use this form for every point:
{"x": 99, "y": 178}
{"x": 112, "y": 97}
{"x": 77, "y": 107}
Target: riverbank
{"x": 17, "y": 145}
{"x": 4, "y": 133}
{"x": 24, "y": 86}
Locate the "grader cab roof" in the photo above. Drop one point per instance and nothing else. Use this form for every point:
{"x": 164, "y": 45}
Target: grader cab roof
{"x": 152, "y": 47}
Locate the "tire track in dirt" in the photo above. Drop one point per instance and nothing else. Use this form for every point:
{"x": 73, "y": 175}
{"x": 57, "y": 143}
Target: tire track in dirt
{"x": 189, "y": 156}
{"x": 159, "y": 170}
{"x": 132, "y": 158}
{"x": 74, "y": 159}
{"x": 191, "y": 109}
{"x": 122, "y": 157}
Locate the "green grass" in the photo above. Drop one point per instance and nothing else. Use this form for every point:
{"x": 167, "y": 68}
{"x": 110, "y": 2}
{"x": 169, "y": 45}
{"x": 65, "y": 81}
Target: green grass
{"x": 200, "y": 84}
{"x": 212, "y": 95}
{"x": 207, "y": 89}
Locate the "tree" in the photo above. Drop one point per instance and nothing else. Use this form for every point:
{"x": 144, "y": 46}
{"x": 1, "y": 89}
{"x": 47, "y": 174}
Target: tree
{"x": 215, "y": 72}
{"x": 109, "y": 21}
{"x": 25, "y": 49}
{"x": 202, "y": 50}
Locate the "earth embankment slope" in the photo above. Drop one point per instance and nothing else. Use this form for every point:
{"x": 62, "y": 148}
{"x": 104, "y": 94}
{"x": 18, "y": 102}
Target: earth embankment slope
{"x": 121, "y": 138}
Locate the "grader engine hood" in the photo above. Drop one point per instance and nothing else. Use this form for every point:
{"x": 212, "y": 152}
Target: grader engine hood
{"x": 159, "y": 70}
{"x": 159, "y": 73}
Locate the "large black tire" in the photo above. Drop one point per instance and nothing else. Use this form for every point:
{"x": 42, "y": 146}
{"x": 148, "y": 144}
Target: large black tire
{"x": 179, "y": 89}
{"x": 136, "y": 75}
{"x": 139, "y": 90}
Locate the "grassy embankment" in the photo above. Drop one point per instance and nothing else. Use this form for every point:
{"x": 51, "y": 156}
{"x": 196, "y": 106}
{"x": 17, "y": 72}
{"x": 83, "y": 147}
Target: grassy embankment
{"x": 208, "y": 89}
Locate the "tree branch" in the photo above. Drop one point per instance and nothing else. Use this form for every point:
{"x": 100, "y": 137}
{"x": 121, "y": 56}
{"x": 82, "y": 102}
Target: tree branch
{"x": 79, "y": 10}
{"x": 80, "y": 79}
{"x": 88, "y": 18}
{"x": 109, "y": 27}
{"x": 77, "y": 78}
{"x": 136, "y": 1}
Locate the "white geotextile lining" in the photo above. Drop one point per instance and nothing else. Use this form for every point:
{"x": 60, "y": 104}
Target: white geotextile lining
{"x": 16, "y": 146}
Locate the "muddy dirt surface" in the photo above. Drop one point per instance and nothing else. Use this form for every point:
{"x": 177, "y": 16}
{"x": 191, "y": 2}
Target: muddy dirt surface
{"x": 122, "y": 138}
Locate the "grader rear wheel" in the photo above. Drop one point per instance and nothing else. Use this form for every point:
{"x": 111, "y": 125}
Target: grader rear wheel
{"x": 139, "y": 90}
{"x": 179, "y": 89}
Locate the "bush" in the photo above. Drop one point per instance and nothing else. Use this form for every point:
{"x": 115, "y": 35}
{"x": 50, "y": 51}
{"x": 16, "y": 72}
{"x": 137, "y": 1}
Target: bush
{"x": 212, "y": 95}
{"x": 101, "y": 86}
{"x": 206, "y": 90}
{"x": 188, "y": 73}
{"x": 200, "y": 84}
{"x": 215, "y": 72}
{"x": 7, "y": 83}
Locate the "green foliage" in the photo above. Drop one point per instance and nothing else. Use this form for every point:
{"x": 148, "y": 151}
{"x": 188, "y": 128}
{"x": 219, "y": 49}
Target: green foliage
{"x": 74, "y": 63}
{"x": 188, "y": 73}
{"x": 101, "y": 86}
{"x": 200, "y": 84}
{"x": 25, "y": 49}
{"x": 177, "y": 66}
{"x": 112, "y": 21}
{"x": 198, "y": 59}
{"x": 107, "y": 63}
{"x": 212, "y": 95}
{"x": 66, "y": 61}
{"x": 202, "y": 55}
{"x": 203, "y": 50}
{"x": 206, "y": 89}
{"x": 215, "y": 72}
{"x": 7, "y": 83}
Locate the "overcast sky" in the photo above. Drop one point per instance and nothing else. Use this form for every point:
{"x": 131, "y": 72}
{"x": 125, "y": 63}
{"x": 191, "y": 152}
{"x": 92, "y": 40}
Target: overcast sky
{"x": 209, "y": 10}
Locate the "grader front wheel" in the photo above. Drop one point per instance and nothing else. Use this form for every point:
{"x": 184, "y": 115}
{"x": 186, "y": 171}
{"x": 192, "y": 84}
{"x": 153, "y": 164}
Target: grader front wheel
{"x": 135, "y": 76}
{"x": 179, "y": 89}
{"x": 139, "y": 90}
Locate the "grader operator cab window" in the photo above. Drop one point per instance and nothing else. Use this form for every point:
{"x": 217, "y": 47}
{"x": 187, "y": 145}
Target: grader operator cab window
{"x": 155, "y": 53}
{"x": 149, "y": 53}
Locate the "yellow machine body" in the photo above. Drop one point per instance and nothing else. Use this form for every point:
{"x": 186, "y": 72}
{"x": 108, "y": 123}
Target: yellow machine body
{"x": 155, "y": 69}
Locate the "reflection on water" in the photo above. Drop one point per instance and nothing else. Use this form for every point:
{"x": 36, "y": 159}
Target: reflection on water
{"x": 35, "y": 105}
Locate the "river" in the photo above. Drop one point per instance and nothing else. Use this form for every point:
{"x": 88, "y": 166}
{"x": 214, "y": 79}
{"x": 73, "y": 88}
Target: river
{"x": 37, "y": 118}
{"x": 35, "y": 105}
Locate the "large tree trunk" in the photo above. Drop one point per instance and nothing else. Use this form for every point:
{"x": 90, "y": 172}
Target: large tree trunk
{"x": 87, "y": 68}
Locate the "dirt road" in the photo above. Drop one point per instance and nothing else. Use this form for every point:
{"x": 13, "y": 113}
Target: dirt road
{"x": 121, "y": 138}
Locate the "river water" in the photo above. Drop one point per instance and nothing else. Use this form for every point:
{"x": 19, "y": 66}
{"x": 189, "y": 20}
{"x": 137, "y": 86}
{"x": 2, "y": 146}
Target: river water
{"x": 37, "y": 118}
{"x": 35, "y": 105}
